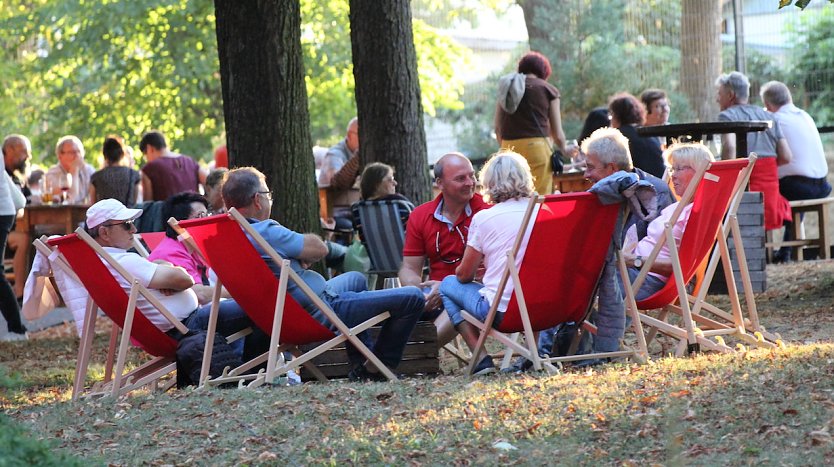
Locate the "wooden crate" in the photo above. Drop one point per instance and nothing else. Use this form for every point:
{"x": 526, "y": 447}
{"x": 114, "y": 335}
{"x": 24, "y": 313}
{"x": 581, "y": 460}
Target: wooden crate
{"x": 419, "y": 358}
{"x": 751, "y": 224}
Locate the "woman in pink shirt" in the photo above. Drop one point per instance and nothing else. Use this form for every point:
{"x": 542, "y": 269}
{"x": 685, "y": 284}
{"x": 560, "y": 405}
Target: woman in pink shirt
{"x": 182, "y": 206}
{"x": 685, "y": 160}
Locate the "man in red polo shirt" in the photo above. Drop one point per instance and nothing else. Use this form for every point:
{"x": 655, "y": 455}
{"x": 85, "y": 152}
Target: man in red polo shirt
{"x": 438, "y": 230}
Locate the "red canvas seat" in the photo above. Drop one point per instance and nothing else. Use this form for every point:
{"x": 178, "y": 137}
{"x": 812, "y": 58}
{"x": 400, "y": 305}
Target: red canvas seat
{"x": 85, "y": 258}
{"x": 223, "y": 241}
{"x": 715, "y": 192}
{"x": 557, "y": 280}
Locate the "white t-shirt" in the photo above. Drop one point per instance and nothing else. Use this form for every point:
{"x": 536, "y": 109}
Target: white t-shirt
{"x": 804, "y": 140}
{"x": 180, "y": 304}
{"x": 493, "y": 232}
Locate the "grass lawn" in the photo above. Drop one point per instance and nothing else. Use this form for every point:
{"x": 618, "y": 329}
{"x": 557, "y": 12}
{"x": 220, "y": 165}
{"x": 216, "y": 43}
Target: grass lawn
{"x": 759, "y": 406}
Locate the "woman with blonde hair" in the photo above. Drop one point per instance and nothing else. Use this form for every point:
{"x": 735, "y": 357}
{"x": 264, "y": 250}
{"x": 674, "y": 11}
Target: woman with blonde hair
{"x": 684, "y": 160}
{"x": 508, "y": 184}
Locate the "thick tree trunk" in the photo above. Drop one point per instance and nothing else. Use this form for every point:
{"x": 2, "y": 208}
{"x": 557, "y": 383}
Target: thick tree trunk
{"x": 701, "y": 55}
{"x": 265, "y": 102}
{"x": 388, "y": 92}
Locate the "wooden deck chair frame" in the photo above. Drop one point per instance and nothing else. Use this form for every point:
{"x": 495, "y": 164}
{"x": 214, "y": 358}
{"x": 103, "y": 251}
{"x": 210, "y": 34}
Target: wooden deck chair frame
{"x": 128, "y": 318}
{"x": 272, "y": 319}
{"x": 599, "y": 225}
{"x": 697, "y": 329}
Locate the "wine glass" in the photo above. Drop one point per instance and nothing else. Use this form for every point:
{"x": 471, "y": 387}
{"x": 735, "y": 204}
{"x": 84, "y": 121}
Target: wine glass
{"x": 66, "y": 184}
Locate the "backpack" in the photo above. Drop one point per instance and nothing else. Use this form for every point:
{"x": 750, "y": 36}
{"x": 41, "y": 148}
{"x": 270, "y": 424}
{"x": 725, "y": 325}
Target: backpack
{"x": 190, "y": 358}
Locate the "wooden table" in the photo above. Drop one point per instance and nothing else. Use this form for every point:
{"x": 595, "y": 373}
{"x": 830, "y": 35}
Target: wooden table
{"x": 698, "y": 131}
{"x": 61, "y": 218}
{"x": 569, "y": 182}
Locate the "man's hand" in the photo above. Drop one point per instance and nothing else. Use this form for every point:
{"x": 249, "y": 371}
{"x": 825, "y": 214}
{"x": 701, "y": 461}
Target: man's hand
{"x": 433, "y": 300}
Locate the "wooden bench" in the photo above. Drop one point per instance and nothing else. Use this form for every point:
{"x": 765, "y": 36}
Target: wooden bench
{"x": 819, "y": 206}
{"x": 419, "y": 358}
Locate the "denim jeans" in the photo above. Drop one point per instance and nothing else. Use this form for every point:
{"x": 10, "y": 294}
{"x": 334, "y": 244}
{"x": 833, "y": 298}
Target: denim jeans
{"x": 457, "y": 296}
{"x": 405, "y": 305}
{"x": 795, "y": 188}
{"x": 230, "y": 319}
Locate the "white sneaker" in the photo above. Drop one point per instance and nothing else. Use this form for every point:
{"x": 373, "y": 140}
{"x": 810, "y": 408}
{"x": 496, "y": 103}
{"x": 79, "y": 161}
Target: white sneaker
{"x": 14, "y": 337}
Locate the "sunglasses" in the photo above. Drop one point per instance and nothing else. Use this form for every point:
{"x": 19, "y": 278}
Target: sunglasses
{"x": 127, "y": 225}
{"x": 437, "y": 247}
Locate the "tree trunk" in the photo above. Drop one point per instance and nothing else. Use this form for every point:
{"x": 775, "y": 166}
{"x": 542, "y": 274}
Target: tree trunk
{"x": 265, "y": 102}
{"x": 701, "y": 55}
{"x": 388, "y": 92}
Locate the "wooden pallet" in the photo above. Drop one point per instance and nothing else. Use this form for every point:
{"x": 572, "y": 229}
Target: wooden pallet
{"x": 419, "y": 358}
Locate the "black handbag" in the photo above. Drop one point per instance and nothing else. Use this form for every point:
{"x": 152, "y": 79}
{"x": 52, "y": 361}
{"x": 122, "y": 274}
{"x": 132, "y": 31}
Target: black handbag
{"x": 556, "y": 161}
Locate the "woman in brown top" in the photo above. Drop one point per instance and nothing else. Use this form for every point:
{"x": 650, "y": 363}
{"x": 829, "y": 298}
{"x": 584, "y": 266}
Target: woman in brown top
{"x": 536, "y": 119}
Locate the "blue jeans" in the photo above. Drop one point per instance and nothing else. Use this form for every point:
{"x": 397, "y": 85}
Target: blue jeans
{"x": 457, "y": 296}
{"x": 795, "y": 188}
{"x": 230, "y": 319}
{"x": 405, "y": 305}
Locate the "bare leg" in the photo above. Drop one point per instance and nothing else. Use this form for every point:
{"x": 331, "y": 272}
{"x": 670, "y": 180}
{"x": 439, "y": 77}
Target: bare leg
{"x": 470, "y": 335}
{"x": 445, "y": 331}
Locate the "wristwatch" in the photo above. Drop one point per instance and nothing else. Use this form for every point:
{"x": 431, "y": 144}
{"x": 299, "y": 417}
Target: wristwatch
{"x": 638, "y": 261}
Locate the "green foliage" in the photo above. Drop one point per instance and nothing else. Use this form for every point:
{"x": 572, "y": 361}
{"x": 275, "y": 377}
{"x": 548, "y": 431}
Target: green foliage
{"x": 100, "y": 67}
{"x": 813, "y": 62}
{"x": 21, "y": 449}
{"x": 91, "y": 68}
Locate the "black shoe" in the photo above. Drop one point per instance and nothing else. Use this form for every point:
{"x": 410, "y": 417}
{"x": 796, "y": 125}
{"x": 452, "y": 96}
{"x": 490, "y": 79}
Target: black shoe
{"x": 485, "y": 367}
{"x": 521, "y": 365}
{"x": 361, "y": 374}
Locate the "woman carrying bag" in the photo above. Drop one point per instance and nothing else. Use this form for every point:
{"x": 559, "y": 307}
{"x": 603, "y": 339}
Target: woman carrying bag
{"x": 528, "y": 114}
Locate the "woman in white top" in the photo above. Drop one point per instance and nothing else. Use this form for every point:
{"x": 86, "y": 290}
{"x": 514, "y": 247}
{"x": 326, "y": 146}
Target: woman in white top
{"x": 508, "y": 183}
{"x": 685, "y": 160}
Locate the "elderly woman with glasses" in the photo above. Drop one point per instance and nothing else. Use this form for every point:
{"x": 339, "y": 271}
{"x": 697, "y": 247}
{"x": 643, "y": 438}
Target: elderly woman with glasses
{"x": 508, "y": 183}
{"x": 685, "y": 160}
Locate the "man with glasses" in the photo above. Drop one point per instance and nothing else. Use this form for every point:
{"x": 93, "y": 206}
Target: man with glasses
{"x": 245, "y": 189}
{"x": 438, "y": 230}
{"x": 110, "y": 223}
{"x": 606, "y": 152}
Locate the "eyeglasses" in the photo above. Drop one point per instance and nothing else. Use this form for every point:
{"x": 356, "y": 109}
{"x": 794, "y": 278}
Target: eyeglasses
{"x": 437, "y": 246}
{"x": 267, "y": 193}
{"x": 680, "y": 168}
{"x": 127, "y": 225}
{"x": 199, "y": 215}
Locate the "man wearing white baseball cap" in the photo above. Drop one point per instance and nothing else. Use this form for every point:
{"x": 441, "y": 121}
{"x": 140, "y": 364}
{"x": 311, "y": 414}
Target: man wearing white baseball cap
{"x": 110, "y": 223}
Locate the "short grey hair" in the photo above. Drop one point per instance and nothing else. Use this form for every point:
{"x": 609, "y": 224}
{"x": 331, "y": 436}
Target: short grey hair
{"x": 694, "y": 155}
{"x": 610, "y": 146}
{"x": 66, "y": 139}
{"x": 241, "y": 186}
{"x": 353, "y": 121}
{"x": 736, "y": 82}
{"x": 776, "y": 93}
{"x": 505, "y": 176}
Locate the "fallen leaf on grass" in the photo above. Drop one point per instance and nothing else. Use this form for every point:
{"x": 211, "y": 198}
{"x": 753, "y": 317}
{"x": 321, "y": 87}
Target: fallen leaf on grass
{"x": 819, "y": 437}
{"x": 790, "y": 412}
{"x": 681, "y": 393}
{"x": 504, "y": 446}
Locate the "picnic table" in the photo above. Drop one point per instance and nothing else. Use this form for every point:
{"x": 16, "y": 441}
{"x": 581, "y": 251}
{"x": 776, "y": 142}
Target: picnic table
{"x": 698, "y": 130}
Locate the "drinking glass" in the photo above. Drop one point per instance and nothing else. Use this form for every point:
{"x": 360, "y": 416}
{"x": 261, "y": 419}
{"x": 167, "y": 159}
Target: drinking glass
{"x": 391, "y": 283}
{"x": 66, "y": 184}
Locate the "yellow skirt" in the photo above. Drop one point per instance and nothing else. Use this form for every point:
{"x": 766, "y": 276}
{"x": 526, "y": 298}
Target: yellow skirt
{"x": 537, "y": 152}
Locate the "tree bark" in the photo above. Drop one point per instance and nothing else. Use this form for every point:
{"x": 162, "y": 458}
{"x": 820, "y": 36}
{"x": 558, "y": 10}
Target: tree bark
{"x": 701, "y": 55}
{"x": 265, "y": 102}
{"x": 388, "y": 92}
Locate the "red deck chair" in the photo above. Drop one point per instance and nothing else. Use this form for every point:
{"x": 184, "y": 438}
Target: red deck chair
{"x": 151, "y": 239}
{"x": 558, "y": 277}
{"x": 86, "y": 259}
{"x": 715, "y": 193}
{"x": 223, "y": 241}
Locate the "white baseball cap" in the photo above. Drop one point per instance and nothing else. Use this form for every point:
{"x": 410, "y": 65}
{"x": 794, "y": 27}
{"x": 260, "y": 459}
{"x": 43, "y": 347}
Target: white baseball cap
{"x": 109, "y": 209}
